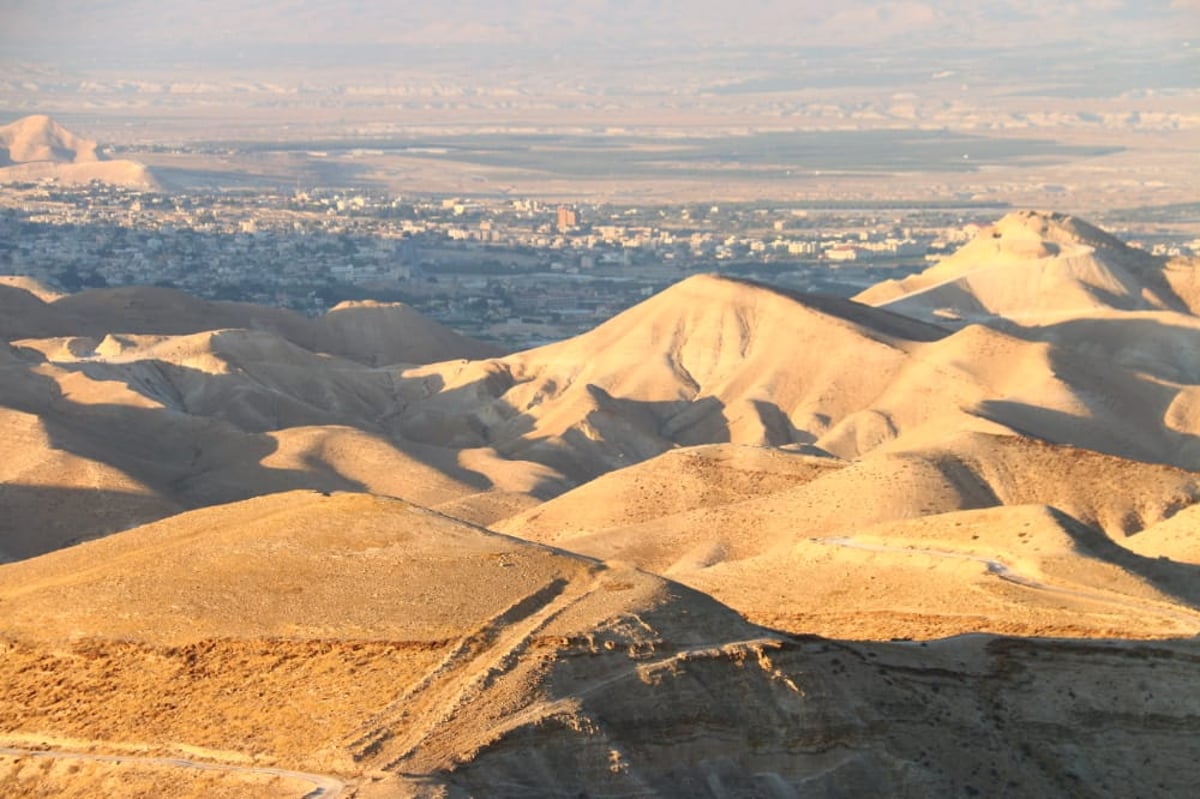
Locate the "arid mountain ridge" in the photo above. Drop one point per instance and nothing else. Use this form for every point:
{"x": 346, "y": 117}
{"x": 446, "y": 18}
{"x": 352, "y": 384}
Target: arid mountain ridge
{"x": 601, "y": 565}
{"x": 254, "y": 398}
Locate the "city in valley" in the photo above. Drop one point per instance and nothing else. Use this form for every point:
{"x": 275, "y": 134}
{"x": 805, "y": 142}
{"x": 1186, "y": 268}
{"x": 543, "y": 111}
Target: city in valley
{"x": 517, "y": 272}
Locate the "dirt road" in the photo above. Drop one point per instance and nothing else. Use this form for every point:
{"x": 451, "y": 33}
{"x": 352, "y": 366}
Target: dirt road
{"x": 324, "y": 787}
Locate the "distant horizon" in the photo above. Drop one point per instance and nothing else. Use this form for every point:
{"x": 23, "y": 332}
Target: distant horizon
{"x": 140, "y": 35}
{"x": 1092, "y": 100}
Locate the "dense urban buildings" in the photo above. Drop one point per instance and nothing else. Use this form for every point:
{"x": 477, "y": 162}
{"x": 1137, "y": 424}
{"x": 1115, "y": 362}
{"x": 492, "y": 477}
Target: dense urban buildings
{"x": 517, "y": 272}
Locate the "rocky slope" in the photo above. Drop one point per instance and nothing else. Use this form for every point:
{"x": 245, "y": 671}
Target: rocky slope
{"x": 333, "y": 635}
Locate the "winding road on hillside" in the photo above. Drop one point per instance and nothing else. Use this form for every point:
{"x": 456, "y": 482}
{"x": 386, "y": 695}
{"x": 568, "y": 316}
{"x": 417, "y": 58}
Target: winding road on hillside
{"x": 324, "y": 786}
{"x": 1005, "y": 572}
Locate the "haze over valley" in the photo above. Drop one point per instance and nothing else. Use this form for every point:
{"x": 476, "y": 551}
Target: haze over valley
{"x": 592, "y": 399}
{"x": 1020, "y": 103}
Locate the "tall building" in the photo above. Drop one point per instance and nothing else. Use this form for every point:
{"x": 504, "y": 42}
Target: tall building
{"x": 567, "y": 218}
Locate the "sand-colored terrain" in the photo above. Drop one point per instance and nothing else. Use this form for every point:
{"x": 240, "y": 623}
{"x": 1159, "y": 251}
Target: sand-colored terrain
{"x": 38, "y": 148}
{"x": 406, "y": 654}
{"x": 55, "y": 775}
{"x": 39, "y": 138}
{"x": 846, "y": 546}
{"x": 371, "y": 333}
{"x": 33, "y": 286}
{"x": 1032, "y": 266}
{"x": 367, "y": 549}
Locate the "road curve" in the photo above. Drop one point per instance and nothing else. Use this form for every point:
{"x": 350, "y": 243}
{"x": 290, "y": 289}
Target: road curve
{"x": 324, "y": 786}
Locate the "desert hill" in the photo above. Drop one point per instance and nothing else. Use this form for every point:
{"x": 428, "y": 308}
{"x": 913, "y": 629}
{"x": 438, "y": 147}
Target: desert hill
{"x": 678, "y": 481}
{"x": 40, "y": 138}
{"x": 1081, "y": 383}
{"x": 962, "y": 472}
{"x": 1032, "y": 266}
{"x": 119, "y": 172}
{"x": 708, "y": 360}
{"x": 1173, "y": 539}
{"x": 765, "y": 547}
{"x": 53, "y": 498}
{"x": 154, "y": 424}
{"x": 32, "y": 285}
{"x": 713, "y": 360}
{"x": 25, "y": 315}
{"x": 37, "y": 148}
{"x": 379, "y": 334}
{"x": 112, "y": 431}
{"x": 372, "y": 333}
{"x": 337, "y": 635}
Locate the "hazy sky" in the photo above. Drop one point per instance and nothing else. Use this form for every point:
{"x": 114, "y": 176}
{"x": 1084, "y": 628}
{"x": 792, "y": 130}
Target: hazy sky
{"x": 1074, "y": 47}
{"x": 140, "y": 30}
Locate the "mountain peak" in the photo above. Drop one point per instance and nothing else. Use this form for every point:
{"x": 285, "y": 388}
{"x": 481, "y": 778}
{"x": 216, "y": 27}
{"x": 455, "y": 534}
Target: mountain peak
{"x": 38, "y": 148}
{"x": 1050, "y": 228}
{"x": 1033, "y": 265}
{"x": 39, "y": 138}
